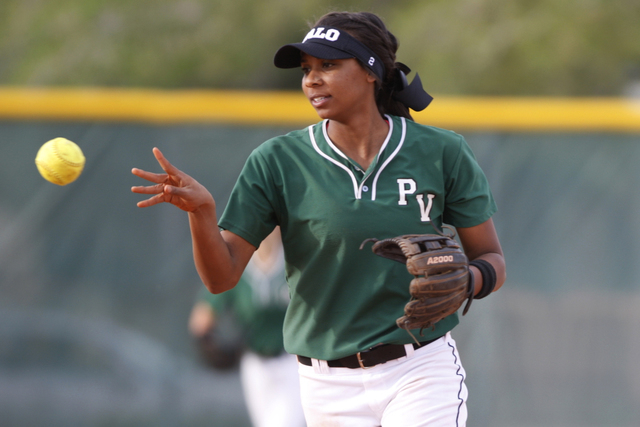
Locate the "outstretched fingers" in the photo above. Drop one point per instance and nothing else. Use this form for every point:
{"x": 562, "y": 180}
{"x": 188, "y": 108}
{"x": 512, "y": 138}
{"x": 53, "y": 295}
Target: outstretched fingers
{"x": 159, "y": 179}
{"x": 157, "y": 190}
{"x": 158, "y": 198}
{"x": 164, "y": 163}
{"x": 148, "y": 189}
{"x": 173, "y": 186}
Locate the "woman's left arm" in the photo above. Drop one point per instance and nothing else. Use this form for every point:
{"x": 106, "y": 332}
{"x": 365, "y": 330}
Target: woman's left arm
{"x": 481, "y": 242}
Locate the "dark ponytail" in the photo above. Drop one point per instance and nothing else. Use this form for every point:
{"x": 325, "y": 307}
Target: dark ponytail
{"x": 369, "y": 30}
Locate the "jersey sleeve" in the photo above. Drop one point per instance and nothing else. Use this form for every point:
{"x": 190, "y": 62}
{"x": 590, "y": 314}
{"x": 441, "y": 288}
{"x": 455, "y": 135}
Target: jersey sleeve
{"x": 251, "y": 210}
{"x": 469, "y": 201}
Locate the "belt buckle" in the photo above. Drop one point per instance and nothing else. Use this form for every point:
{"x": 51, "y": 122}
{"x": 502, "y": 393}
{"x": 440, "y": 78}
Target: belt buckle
{"x": 360, "y": 362}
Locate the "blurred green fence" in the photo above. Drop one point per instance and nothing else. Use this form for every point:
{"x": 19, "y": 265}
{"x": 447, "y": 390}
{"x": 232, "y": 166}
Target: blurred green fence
{"x": 556, "y": 346}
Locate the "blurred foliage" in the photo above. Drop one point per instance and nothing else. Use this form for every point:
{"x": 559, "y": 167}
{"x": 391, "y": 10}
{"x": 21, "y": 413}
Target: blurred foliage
{"x": 474, "y": 47}
{"x": 522, "y": 47}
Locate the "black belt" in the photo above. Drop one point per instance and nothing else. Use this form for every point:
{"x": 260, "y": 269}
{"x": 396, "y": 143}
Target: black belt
{"x": 369, "y": 358}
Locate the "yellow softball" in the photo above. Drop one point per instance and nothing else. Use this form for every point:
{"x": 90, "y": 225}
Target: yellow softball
{"x": 60, "y": 161}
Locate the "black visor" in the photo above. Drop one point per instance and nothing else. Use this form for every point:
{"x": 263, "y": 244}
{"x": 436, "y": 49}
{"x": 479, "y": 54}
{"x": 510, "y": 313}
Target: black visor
{"x": 328, "y": 43}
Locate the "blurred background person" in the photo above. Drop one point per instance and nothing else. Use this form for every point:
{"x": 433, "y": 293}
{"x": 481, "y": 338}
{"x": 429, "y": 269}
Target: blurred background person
{"x": 244, "y": 325}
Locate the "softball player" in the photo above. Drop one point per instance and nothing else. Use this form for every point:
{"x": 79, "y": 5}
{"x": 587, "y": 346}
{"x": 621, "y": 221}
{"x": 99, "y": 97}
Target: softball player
{"x": 268, "y": 374}
{"x": 366, "y": 170}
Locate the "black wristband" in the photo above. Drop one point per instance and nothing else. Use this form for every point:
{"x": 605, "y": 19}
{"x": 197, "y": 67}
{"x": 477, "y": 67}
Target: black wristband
{"x": 471, "y": 287}
{"x": 488, "y": 277}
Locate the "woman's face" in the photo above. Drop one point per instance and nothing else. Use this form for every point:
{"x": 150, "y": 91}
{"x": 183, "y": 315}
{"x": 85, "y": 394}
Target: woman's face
{"x": 336, "y": 88}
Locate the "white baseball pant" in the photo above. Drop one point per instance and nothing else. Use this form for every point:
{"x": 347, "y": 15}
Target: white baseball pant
{"x": 271, "y": 389}
{"x": 424, "y": 388}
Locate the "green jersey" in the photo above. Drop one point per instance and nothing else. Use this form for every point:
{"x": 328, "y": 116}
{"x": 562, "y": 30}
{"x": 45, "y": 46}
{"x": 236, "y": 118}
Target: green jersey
{"x": 258, "y": 302}
{"x": 344, "y": 299}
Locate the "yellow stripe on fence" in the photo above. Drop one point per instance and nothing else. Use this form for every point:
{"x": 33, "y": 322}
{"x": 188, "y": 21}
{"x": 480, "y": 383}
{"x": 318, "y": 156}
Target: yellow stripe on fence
{"x": 156, "y": 106}
{"x": 535, "y": 114}
{"x": 291, "y": 108}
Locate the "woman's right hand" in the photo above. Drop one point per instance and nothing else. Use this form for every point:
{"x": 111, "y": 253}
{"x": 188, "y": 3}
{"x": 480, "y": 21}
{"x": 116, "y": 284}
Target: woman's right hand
{"x": 173, "y": 186}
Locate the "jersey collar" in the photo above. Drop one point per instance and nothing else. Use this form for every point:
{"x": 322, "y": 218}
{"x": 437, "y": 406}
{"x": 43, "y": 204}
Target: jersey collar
{"x": 331, "y": 153}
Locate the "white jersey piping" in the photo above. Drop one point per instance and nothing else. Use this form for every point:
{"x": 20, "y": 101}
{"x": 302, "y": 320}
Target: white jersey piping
{"x": 357, "y": 189}
{"x": 384, "y": 165}
{"x": 337, "y": 163}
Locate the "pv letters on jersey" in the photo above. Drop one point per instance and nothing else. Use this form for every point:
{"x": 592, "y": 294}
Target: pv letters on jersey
{"x": 407, "y": 187}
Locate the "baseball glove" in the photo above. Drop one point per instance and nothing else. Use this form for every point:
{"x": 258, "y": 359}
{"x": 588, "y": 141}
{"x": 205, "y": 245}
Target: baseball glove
{"x": 218, "y": 352}
{"x": 442, "y": 279}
